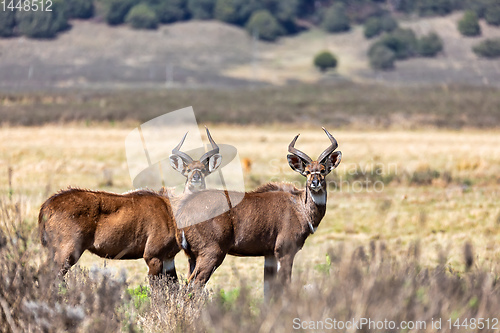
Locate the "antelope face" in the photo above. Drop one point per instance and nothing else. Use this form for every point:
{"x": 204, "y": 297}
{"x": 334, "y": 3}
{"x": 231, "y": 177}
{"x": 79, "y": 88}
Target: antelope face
{"x": 195, "y": 171}
{"x": 315, "y": 171}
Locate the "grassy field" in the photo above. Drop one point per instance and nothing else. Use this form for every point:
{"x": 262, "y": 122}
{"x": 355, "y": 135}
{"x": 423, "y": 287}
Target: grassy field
{"x": 403, "y": 196}
{"x": 436, "y": 187}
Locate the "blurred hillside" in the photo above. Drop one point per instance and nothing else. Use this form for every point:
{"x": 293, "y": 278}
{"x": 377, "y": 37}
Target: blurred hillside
{"x": 210, "y": 53}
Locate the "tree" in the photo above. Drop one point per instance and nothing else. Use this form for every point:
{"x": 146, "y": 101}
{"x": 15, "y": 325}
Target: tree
{"x": 336, "y": 19}
{"x": 168, "y": 11}
{"x": 117, "y": 10}
{"x": 264, "y": 25}
{"x": 325, "y": 60}
{"x": 43, "y": 24}
{"x": 430, "y": 45}
{"x": 201, "y": 9}
{"x": 82, "y": 9}
{"x": 142, "y": 17}
{"x": 7, "y": 23}
{"x": 381, "y": 57}
{"x": 434, "y": 7}
{"x": 469, "y": 24}
{"x": 388, "y": 23}
{"x": 403, "y": 42}
{"x": 372, "y": 27}
{"x": 489, "y": 48}
{"x": 492, "y": 12}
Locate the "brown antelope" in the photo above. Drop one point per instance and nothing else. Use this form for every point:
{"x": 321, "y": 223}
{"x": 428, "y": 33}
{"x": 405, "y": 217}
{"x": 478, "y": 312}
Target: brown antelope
{"x": 134, "y": 225}
{"x": 272, "y": 221}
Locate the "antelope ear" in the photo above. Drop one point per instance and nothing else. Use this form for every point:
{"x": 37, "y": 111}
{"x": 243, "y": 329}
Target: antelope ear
{"x": 332, "y": 161}
{"x": 296, "y": 163}
{"x": 214, "y": 162}
{"x": 177, "y": 163}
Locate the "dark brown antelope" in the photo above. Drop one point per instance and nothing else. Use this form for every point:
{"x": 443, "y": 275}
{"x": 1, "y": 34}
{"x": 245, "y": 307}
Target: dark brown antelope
{"x": 134, "y": 225}
{"x": 272, "y": 221}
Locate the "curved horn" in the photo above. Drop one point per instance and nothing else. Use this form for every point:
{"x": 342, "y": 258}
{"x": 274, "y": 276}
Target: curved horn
{"x": 297, "y": 152}
{"x": 185, "y": 157}
{"x": 215, "y": 148}
{"x": 330, "y": 149}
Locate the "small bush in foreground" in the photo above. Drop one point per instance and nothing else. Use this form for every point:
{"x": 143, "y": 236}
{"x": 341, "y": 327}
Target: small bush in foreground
{"x": 489, "y": 48}
{"x": 430, "y": 45}
{"x": 117, "y": 11}
{"x": 469, "y": 24}
{"x": 325, "y": 60}
{"x": 381, "y": 57}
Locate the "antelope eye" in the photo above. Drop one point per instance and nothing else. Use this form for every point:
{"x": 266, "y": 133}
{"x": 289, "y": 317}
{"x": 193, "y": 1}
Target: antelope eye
{"x": 322, "y": 171}
{"x": 188, "y": 170}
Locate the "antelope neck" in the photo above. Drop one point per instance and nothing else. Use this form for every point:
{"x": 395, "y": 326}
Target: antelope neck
{"x": 316, "y": 206}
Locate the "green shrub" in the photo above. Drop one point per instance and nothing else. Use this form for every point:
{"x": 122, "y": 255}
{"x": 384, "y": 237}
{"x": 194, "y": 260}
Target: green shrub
{"x": 489, "y": 48}
{"x": 372, "y": 27}
{"x": 265, "y": 25}
{"x": 117, "y": 11}
{"x": 168, "y": 11}
{"x": 434, "y": 7}
{"x": 201, "y": 9}
{"x": 7, "y": 23}
{"x": 478, "y": 6}
{"x": 492, "y": 12}
{"x": 430, "y": 45}
{"x": 226, "y": 11}
{"x": 43, "y": 24}
{"x": 469, "y": 24}
{"x": 403, "y": 42}
{"x": 142, "y": 17}
{"x": 388, "y": 23}
{"x": 82, "y": 9}
{"x": 325, "y": 60}
{"x": 381, "y": 57}
{"x": 336, "y": 19}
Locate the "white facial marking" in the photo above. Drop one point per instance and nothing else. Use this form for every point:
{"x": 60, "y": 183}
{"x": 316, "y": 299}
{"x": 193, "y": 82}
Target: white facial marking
{"x": 278, "y": 266}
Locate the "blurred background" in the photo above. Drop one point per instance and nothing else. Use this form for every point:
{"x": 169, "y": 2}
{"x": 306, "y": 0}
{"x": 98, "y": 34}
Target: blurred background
{"x": 409, "y": 88}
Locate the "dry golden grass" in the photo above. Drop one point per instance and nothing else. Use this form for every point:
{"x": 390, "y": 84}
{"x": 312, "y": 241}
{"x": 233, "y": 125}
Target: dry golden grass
{"x": 457, "y": 205}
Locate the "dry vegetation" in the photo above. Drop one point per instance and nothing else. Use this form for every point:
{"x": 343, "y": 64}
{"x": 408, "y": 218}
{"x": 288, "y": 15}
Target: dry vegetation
{"x": 400, "y": 249}
{"x": 346, "y": 105}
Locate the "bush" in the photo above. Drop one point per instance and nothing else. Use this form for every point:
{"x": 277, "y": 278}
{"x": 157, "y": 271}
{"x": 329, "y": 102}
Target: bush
{"x": 478, "y": 6}
{"x": 336, "y": 19}
{"x": 7, "y": 23}
{"x": 376, "y": 25}
{"x": 226, "y": 11}
{"x": 469, "y": 24}
{"x": 388, "y": 23}
{"x": 373, "y": 27}
{"x": 325, "y": 60}
{"x": 403, "y": 42}
{"x": 430, "y": 45}
{"x": 43, "y": 24}
{"x": 265, "y": 25}
{"x": 489, "y": 48}
{"x": 201, "y": 9}
{"x": 118, "y": 10}
{"x": 492, "y": 12}
{"x": 169, "y": 11}
{"x": 381, "y": 57}
{"x": 142, "y": 17}
{"x": 82, "y": 9}
{"x": 434, "y": 7}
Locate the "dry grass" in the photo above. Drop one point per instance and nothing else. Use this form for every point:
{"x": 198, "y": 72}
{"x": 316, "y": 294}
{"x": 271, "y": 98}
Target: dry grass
{"x": 439, "y": 192}
{"x": 438, "y": 186}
